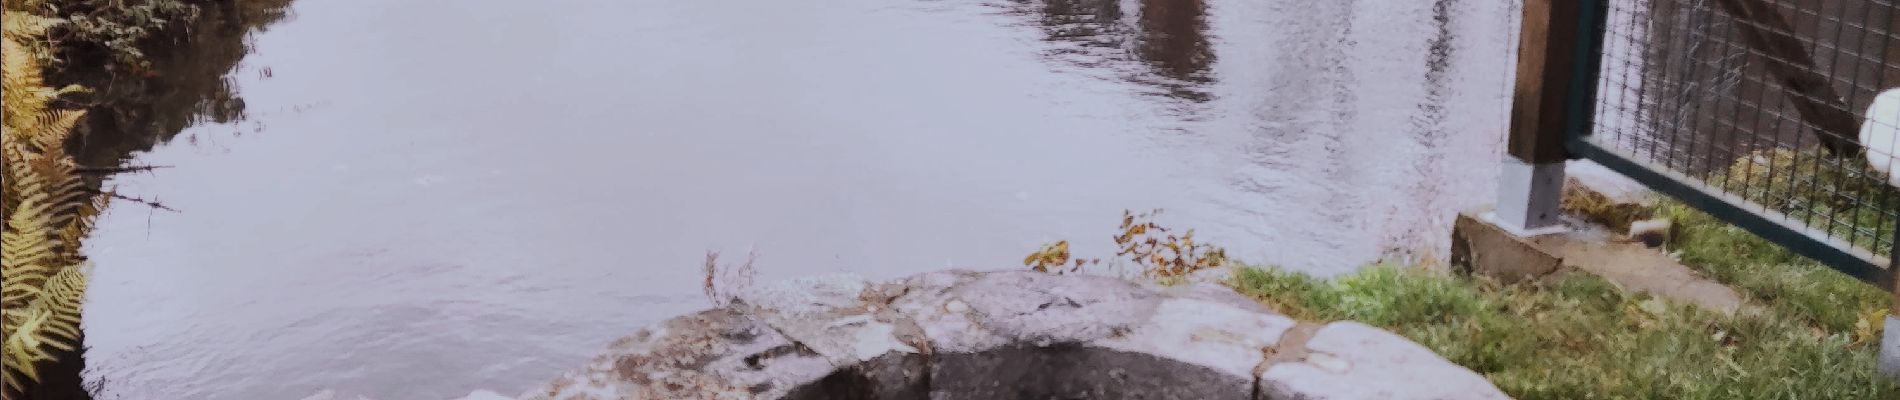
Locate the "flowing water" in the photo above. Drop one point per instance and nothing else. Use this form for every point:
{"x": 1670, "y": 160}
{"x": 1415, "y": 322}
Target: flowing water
{"x": 426, "y": 197}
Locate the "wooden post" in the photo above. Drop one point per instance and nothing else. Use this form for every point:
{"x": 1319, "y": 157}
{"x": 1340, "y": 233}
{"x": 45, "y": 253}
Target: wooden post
{"x": 1814, "y": 98}
{"x": 1544, "y": 61}
{"x": 1533, "y": 175}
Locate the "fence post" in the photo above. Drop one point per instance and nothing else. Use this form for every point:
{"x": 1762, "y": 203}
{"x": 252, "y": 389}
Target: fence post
{"x": 1533, "y": 175}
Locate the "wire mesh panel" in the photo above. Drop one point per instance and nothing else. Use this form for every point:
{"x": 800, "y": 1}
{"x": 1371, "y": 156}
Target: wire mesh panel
{"x": 1761, "y": 110}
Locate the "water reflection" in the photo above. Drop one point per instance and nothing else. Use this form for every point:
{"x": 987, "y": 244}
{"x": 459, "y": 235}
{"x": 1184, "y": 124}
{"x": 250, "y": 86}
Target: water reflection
{"x": 1166, "y": 47}
{"x": 189, "y": 83}
{"x": 1174, "y": 43}
{"x": 1383, "y": 111}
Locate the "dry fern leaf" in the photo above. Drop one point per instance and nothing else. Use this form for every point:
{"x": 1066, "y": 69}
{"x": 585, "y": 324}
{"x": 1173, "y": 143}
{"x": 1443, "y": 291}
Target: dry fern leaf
{"x": 47, "y": 207}
{"x": 62, "y": 187}
{"x": 80, "y": 223}
{"x": 23, "y": 5}
{"x": 20, "y": 62}
{"x": 29, "y": 253}
{"x": 27, "y": 27}
{"x": 14, "y": 167}
{"x": 51, "y": 128}
{"x": 51, "y": 321}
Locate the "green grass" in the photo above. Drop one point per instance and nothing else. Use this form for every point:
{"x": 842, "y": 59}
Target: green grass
{"x": 1844, "y": 197}
{"x": 1773, "y": 276}
{"x": 1581, "y": 338}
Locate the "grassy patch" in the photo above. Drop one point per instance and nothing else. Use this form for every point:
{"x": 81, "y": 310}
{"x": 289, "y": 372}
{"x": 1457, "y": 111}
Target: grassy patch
{"x": 1841, "y": 196}
{"x": 1581, "y": 338}
{"x": 1597, "y": 208}
{"x": 1776, "y": 277}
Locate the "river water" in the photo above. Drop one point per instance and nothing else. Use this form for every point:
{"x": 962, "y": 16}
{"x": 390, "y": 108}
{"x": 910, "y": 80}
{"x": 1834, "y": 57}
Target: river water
{"x": 428, "y": 197}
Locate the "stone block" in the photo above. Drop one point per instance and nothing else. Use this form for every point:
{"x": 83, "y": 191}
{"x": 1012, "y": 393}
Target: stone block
{"x": 1350, "y": 361}
{"x": 968, "y": 335}
{"x": 1482, "y": 248}
{"x": 943, "y": 315}
{"x": 1602, "y": 196}
{"x": 485, "y": 395}
{"x": 830, "y": 314}
{"x": 1211, "y": 335}
{"x": 713, "y": 354}
{"x": 1042, "y": 309}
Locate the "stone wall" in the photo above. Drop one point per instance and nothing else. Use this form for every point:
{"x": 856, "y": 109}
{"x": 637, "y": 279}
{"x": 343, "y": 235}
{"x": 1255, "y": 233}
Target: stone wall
{"x": 1008, "y": 335}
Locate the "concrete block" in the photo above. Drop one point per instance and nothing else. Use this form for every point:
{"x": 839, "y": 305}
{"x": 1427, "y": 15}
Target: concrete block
{"x": 1484, "y": 248}
{"x": 1890, "y": 349}
{"x": 1353, "y": 361}
{"x": 1599, "y": 195}
{"x": 1640, "y": 269}
{"x": 1529, "y": 195}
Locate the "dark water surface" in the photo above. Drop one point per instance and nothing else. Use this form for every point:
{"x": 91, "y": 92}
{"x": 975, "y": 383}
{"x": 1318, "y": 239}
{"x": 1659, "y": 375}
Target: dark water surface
{"x": 429, "y": 197}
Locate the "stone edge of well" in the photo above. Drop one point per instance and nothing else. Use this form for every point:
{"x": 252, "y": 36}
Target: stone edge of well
{"x": 775, "y": 338}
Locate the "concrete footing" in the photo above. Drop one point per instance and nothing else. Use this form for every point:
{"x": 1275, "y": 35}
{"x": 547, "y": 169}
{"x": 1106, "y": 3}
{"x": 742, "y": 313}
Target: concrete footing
{"x": 1890, "y": 348}
{"x": 1529, "y": 195}
{"x": 1480, "y": 247}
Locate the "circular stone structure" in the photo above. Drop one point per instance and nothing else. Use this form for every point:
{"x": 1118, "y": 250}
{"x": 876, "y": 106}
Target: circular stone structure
{"x": 1008, "y": 335}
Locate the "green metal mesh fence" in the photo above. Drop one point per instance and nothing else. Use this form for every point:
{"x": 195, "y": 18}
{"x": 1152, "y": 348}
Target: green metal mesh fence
{"x": 1764, "y": 105}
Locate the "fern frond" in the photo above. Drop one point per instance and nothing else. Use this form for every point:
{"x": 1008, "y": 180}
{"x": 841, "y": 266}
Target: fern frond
{"x": 22, "y": 90}
{"x": 80, "y": 222}
{"x": 64, "y": 191}
{"x": 61, "y": 297}
{"x": 24, "y": 5}
{"x": 51, "y": 321}
{"x": 43, "y": 229}
{"x": 23, "y": 283}
{"x": 29, "y": 254}
{"x": 51, "y": 128}
{"x": 22, "y": 351}
{"x": 25, "y": 238}
{"x": 26, "y": 26}
{"x": 47, "y": 207}
{"x": 19, "y": 58}
{"x": 12, "y": 170}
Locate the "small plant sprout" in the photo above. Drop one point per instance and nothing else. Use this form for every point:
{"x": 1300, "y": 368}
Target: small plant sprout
{"x": 722, "y": 283}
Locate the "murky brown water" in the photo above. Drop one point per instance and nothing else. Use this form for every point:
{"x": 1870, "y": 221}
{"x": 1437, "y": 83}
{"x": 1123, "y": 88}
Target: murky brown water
{"x": 430, "y": 197}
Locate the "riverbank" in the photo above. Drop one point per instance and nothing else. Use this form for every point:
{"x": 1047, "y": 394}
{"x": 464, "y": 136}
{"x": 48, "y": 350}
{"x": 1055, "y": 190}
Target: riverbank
{"x": 47, "y": 211}
{"x": 87, "y": 85}
{"x": 1803, "y": 330}
{"x": 1581, "y": 337}
{"x": 1808, "y": 332}
{"x": 1812, "y": 332}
